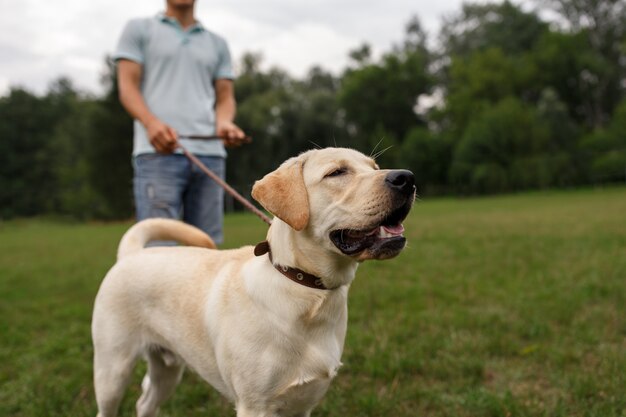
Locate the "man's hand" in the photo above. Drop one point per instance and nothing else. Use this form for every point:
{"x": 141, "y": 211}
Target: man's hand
{"x": 161, "y": 136}
{"x": 230, "y": 133}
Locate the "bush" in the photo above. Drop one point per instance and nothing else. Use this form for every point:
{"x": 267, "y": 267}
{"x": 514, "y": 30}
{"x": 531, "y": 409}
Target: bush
{"x": 605, "y": 149}
{"x": 428, "y": 155}
{"x": 501, "y": 151}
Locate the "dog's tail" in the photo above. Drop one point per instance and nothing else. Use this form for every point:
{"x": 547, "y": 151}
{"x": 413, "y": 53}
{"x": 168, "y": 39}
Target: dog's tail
{"x": 143, "y": 232}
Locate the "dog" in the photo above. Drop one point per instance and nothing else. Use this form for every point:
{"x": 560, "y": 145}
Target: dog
{"x": 264, "y": 325}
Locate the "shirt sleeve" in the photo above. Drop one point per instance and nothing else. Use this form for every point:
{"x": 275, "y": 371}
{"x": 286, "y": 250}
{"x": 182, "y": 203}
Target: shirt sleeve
{"x": 224, "y": 66}
{"x": 131, "y": 44}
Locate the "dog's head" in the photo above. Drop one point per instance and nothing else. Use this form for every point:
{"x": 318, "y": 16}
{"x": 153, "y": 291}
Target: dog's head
{"x": 341, "y": 199}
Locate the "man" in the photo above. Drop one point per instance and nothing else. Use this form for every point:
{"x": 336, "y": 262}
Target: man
{"x": 175, "y": 78}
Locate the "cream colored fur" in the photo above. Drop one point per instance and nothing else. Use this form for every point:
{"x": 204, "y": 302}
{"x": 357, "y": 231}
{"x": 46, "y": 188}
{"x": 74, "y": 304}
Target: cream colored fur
{"x": 269, "y": 345}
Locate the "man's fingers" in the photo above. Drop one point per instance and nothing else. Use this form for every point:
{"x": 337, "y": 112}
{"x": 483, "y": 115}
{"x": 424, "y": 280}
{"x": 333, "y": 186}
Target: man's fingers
{"x": 233, "y": 132}
{"x": 170, "y": 140}
{"x": 236, "y": 141}
{"x": 228, "y": 134}
{"x": 159, "y": 148}
{"x": 164, "y": 144}
{"x": 171, "y": 133}
{"x": 162, "y": 147}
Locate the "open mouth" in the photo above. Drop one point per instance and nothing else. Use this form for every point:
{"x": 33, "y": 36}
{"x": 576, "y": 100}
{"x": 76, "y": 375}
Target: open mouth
{"x": 387, "y": 234}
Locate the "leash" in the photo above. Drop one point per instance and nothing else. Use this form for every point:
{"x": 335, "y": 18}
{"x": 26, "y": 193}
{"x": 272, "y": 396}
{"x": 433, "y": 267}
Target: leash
{"x": 230, "y": 190}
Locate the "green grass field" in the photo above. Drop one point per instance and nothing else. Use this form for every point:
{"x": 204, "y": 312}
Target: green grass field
{"x": 502, "y": 306}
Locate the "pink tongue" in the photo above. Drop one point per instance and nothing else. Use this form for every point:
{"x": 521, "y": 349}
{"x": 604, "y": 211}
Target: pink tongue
{"x": 394, "y": 230}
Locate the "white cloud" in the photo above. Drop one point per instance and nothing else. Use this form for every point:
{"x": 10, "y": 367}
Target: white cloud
{"x": 306, "y": 45}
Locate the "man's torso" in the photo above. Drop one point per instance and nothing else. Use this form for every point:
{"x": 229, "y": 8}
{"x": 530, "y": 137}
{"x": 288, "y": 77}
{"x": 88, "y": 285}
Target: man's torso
{"x": 179, "y": 71}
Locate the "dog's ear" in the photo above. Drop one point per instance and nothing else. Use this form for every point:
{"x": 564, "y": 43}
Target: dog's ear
{"x": 283, "y": 194}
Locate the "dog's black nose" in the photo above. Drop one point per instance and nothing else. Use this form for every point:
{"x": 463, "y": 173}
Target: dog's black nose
{"x": 401, "y": 180}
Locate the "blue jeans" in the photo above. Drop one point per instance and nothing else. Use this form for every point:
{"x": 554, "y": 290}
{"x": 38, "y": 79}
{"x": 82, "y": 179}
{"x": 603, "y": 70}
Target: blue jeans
{"x": 171, "y": 186}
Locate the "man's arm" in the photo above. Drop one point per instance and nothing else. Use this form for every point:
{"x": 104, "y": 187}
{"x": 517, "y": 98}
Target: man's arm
{"x": 225, "y": 109}
{"x": 161, "y": 136}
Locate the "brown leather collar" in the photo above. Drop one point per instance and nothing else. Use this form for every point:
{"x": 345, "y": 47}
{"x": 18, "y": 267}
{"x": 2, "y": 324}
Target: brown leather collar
{"x": 296, "y": 275}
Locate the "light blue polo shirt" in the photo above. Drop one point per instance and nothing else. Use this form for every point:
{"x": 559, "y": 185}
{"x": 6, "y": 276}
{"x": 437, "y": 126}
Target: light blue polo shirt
{"x": 179, "y": 69}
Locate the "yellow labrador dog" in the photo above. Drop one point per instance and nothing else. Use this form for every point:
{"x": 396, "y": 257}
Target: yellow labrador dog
{"x": 265, "y": 326}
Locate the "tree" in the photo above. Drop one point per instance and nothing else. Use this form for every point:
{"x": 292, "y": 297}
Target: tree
{"x": 69, "y": 147}
{"x": 603, "y": 24}
{"x": 606, "y": 149}
{"x": 571, "y": 66}
{"x": 567, "y": 165}
{"x": 109, "y": 152}
{"x": 428, "y": 155}
{"x": 380, "y": 97}
{"x": 362, "y": 55}
{"x": 479, "y": 27}
{"x": 504, "y": 149}
{"x": 483, "y": 79}
{"x": 27, "y": 179}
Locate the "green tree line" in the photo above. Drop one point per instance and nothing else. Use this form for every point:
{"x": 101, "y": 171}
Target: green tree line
{"x": 502, "y": 100}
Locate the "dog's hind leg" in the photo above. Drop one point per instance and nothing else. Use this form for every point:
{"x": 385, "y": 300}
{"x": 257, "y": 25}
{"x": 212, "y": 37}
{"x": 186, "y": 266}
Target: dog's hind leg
{"x": 165, "y": 371}
{"x": 111, "y": 376}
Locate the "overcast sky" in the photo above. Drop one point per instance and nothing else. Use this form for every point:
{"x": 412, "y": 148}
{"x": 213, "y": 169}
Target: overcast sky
{"x": 42, "y": 40}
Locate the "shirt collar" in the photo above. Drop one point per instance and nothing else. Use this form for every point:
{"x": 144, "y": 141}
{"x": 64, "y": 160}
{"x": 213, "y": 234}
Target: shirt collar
{"x": 196, "y": 27}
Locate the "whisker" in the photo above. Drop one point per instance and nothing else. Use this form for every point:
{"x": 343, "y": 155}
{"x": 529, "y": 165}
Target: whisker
{"x": 315, "y": 144}
{"x": 376, "y": 147}
{"x": 382, "y": 151}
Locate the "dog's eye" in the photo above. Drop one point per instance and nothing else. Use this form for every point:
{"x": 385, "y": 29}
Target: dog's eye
{"x": 336, "y": 173}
